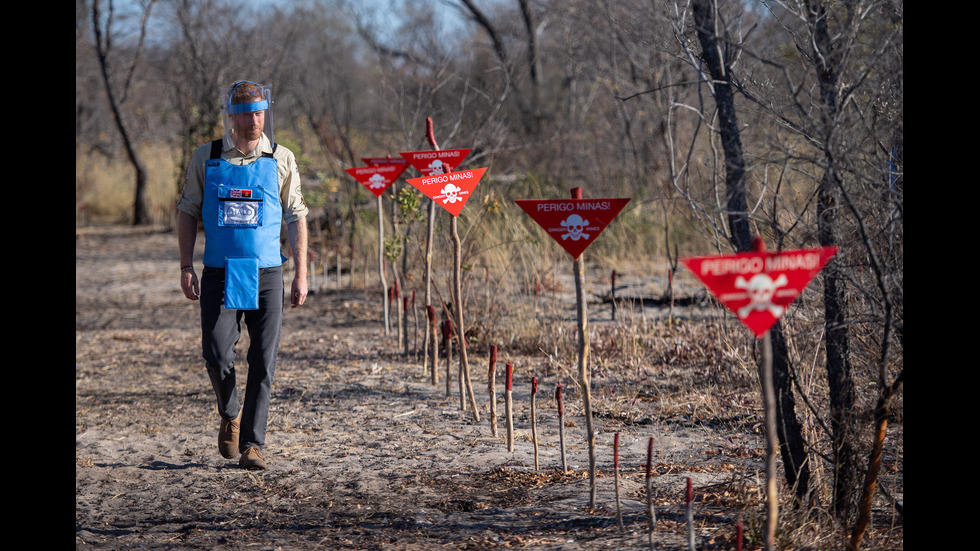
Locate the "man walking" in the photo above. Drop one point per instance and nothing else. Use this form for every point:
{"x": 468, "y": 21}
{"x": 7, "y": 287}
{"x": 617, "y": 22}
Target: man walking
{"x": 243, "y": 188}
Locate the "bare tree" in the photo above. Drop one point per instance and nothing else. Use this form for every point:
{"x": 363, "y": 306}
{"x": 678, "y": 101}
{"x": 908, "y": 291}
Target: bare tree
{"x": 104, "y": 47}
{"x": 717, "y": 33}
{"x": 840, "y": 66}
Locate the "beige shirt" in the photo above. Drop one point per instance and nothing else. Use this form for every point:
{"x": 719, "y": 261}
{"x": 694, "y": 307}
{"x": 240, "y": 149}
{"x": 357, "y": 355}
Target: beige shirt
{"x": 290, "y": 194}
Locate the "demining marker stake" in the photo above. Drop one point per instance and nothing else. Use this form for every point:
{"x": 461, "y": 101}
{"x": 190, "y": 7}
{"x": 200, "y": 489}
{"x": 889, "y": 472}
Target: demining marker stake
{"x": 619, "y": 510}
{"x": 381, "y": 266}
{"x": 653, "y": 516}
{"x": 509, "y": 406}
{"x": 431, "y": 137}
{"x": 492, "y": 389}
{"x": 769, "y": 395}
{"x": 415, "y": 332}
{"x": 433, "y": 343}
{"x": 561, "y": 428}
{"x": 583, "y": 362}
{"x": 534, "y": 420}
{"x": 464, "y": 366}
{"x": 447, "y": 336}
{"x": 689, "y": 513}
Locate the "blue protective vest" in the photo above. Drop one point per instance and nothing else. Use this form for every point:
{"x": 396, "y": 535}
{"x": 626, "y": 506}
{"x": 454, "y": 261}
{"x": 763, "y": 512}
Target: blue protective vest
{"x": 242, "y": 216}
{"x": 242, "y": 212}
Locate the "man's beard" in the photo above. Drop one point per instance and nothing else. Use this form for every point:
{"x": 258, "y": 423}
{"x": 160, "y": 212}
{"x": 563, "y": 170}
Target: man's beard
{"x": 252, "y": 132}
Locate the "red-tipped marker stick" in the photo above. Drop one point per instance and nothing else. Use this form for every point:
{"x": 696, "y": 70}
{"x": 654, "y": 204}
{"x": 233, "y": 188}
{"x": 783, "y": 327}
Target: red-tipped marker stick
{"x": 619, "y": 509}
{"x": 405, "y": 324}
{"x": 430, "y": 133}
{"x": 509, "y": 405}
{"x": 561, "y": 428}
{"x": 492, "y": 389}
{"x": 649, "y": 480}
{"x": 447, "y": 336}
{"x": 433, "y": 344}
{"x": 415, "y": 317}
{"x": 534, "y": 419}
{"x": 689, "y": 498}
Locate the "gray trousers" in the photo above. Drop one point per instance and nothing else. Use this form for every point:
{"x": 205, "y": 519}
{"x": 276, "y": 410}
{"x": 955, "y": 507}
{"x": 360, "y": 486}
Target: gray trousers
{"x": 221, "y": 329}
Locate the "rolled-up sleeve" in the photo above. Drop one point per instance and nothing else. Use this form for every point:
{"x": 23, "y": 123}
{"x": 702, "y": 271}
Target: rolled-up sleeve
{"x": 290, "y": 192}
{"x": 192, "y": 196}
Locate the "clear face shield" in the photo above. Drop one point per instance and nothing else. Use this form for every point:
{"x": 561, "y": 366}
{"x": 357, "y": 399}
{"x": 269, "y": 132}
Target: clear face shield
{"x": 241, "y": 102}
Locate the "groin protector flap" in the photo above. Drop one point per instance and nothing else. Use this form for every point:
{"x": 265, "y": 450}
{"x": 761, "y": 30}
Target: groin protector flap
{"x": 242, "y": 283}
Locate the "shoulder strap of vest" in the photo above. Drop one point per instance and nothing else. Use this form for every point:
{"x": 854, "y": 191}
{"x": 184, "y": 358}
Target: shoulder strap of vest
{"x": 216, "y": 149}
{"x": 274, "y": 146}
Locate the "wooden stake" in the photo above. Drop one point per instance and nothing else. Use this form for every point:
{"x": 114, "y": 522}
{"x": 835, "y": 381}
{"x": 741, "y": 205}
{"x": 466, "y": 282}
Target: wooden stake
{"x": 397, "y": 311}
{"x": 772, "y": 444}
{"x": 405, "y": 325}
{"x": 433, "y": 344}
{"x": 561, "y": 428}
{"x": 447, "y": 337}
{"x": 509, "y": 406}
{"x": 534, "y": 420}
{"x": 583, "y": 363}
{"x": 492, "y": 389}
{"x": 689, "y": 498}
{"x": 381, "y": 265}
{"x": 613, "y": 294}
{"x": 653, "y": 515}
{"x": 415, "y": 327}
{"x": 619, "y": 510}
{"x": 430, "y": 135}
{"x": 464, "y": 366}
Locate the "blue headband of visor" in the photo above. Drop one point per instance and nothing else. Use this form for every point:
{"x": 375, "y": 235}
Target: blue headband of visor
{"x": 245, "y": 107}
{"x": 248, "y": 107}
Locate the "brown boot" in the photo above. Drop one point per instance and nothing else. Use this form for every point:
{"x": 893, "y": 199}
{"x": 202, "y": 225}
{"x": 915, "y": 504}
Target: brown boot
{"x": 252, "y": 460}
{"x": 228, "y": 436}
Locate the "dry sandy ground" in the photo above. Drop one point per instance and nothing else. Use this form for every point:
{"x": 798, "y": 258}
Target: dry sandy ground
{"x": 364, "y": 452}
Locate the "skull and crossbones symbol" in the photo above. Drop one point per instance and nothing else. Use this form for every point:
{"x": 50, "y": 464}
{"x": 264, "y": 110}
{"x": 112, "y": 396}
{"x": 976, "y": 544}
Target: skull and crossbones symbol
{"x": 377, "y": 181}
{"x": 573, "y": 228}
{"x": 451, "y": 192}
{"x": 437, "y": 167}
{"x": 761, "y": 289}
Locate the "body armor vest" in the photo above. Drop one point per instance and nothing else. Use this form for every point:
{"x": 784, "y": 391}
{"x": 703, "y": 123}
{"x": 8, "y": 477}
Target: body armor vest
{"x": 242, "y": 216}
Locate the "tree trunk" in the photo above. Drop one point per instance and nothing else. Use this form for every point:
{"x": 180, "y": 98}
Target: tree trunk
{"x": 792, "y": 446}
{"x": 789, "y": 431}
{"x": 839, "y": 377}
{"x": 714, "y": 57}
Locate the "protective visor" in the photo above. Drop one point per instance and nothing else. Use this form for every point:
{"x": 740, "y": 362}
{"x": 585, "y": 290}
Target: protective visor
{"x": 263, "y": 102}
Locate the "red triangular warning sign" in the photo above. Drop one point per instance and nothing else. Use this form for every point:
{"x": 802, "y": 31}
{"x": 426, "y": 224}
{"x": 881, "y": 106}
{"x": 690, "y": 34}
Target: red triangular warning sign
{"x": 759, "y": 286}
{"x": 376, "y": 178}
{"x": 389, "y": 160}
{"x": 573, "y": 223}
{"x": 431, "y": 162}
{"x": 452, "y": 190}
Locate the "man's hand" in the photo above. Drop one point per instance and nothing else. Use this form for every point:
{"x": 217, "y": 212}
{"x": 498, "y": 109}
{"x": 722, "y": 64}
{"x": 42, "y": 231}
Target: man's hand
{"x": 189, "y": 284}
{"x": 299, "y": 291}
